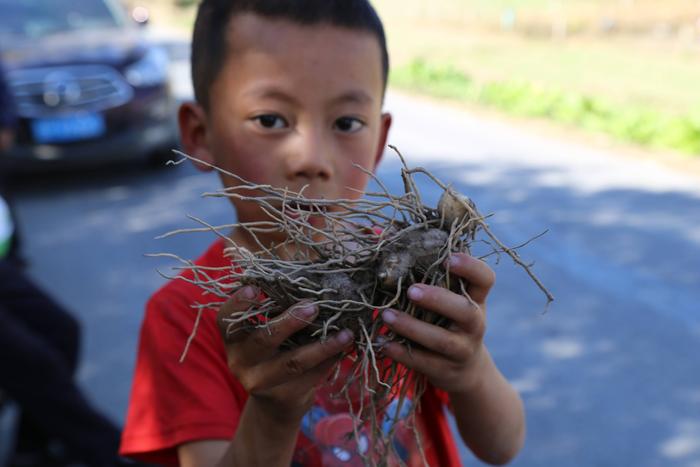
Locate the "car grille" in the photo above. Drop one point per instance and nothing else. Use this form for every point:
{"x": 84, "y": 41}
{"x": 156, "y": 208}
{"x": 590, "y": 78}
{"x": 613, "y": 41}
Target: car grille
{"x": 49, "y": 91}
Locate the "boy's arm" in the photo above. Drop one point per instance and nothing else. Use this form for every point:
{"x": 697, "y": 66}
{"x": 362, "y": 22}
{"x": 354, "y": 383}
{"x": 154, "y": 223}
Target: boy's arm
{"x": 488, "y": 410}
{"x": 259, "y": 440}
{"x": 490, "y": 416}
{"x": 280, "y": 387}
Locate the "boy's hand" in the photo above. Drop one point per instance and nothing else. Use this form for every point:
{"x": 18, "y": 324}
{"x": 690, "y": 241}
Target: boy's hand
{"x": 488, "y": 411}
{"x": 282, "y": 383}
{"x": 452, "y": 359}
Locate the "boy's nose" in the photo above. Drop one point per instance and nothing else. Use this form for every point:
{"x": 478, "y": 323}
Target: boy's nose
{"x": 310, "y": 160}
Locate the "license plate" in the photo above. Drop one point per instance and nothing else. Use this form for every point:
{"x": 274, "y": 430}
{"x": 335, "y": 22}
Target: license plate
{"x": 68, "y": 128}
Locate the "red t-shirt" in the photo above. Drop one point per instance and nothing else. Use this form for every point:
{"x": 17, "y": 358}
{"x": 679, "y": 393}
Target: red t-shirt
{"x": 174, "y": 403}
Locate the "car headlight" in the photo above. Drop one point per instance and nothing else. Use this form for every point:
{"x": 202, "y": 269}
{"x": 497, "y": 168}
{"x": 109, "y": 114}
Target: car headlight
{"x": 150, "y": 70}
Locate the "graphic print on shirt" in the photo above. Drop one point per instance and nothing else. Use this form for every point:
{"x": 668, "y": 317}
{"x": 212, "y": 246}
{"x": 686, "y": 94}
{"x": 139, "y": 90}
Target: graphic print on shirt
{"x": 329, "y": 428}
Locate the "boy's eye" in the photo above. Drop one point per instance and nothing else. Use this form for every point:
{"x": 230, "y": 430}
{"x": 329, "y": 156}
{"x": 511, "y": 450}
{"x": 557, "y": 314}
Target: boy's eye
{"x": 348, "y": 124}
{"x": 271, "y": 121}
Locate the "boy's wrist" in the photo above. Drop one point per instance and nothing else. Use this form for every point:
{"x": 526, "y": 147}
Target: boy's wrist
{"x": 265, "y": 436}
{"x": 277, "y": 414}
{"x": 476, "y": 376}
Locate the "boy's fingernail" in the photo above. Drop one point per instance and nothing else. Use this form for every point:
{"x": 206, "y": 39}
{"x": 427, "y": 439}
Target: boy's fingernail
{"x": 248, "y": 292}
{"x": 307, "y": 311}
{"x": 415, "y": 292}
{"x": 389, "y": 316}
{"x": 345, "y": 337}
{"x": 454, "y": 261}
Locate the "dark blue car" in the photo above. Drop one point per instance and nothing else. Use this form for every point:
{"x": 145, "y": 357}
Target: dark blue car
{"x": 89, "y": 87}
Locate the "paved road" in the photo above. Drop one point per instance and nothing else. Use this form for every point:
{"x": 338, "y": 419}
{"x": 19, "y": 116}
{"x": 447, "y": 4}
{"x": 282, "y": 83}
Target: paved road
{"x": 610, "y": 374}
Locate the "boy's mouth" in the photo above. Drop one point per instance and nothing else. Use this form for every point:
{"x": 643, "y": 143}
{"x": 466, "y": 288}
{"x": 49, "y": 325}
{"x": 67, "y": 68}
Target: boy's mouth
{"x": 313, "y": 214}
{"x": 295, "y": 207}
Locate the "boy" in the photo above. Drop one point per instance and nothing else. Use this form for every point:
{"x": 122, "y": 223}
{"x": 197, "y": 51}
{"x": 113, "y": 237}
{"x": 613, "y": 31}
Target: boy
{"x": 289, "y": 93}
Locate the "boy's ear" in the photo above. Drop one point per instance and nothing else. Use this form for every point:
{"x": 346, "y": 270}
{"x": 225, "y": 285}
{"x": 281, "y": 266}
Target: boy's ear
{"x": 385, "y": 126}
{"x": 192, "y": 120}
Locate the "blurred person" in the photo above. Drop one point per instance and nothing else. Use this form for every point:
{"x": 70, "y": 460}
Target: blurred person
{"x": 39, "y": 344}
{"x": 289, "y": 93}
{"x": 8, "y": 230}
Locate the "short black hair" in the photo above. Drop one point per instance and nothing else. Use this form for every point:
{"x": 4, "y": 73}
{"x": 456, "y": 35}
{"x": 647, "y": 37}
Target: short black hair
{"x": 213, "y": 17}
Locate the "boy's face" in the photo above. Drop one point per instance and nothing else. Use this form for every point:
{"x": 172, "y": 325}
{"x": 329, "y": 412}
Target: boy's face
{"x": 292, "y": 106}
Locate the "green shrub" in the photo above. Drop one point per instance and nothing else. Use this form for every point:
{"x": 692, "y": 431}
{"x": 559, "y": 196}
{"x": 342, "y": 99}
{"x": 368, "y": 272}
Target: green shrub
{"x": 186, "y": 3}
{"x": 640, "y": 125}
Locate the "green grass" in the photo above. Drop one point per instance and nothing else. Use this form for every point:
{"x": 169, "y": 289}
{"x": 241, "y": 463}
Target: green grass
{"x": 637, "y": 124}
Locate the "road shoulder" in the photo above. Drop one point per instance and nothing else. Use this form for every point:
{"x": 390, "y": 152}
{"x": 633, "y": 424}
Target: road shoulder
{"x": 685, "y": 164}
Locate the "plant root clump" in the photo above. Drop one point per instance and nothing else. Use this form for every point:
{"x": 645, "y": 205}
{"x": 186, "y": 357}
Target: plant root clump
{"x": 352, "y": 258}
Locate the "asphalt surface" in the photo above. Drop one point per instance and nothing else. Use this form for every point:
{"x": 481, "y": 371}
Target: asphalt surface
{"x": 610, "y": 374}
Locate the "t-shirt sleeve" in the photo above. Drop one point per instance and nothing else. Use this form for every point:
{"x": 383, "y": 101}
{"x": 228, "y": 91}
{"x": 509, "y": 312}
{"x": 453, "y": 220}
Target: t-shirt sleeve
{"x": 443, "y": 397}
{"x": 173, "y": 403}
{"x": 440, "y": 440}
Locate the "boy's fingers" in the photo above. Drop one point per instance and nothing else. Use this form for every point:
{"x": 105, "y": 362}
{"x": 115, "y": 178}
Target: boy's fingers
{"x": 449, "y": 344}
{"x": 239, "y": 301}
{"x": 264, "y": 342}
{"x": 299, "y": 362}
{"x": 462, "y": 311}
{"x": 311, "y": 379}
{"x": 479, "y": 276}
{"x": 422, "y": 361}
{"x": 299, "y": 388}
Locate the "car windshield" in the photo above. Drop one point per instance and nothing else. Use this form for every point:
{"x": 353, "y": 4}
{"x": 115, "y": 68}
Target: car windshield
{"x": 27, "y": 19}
